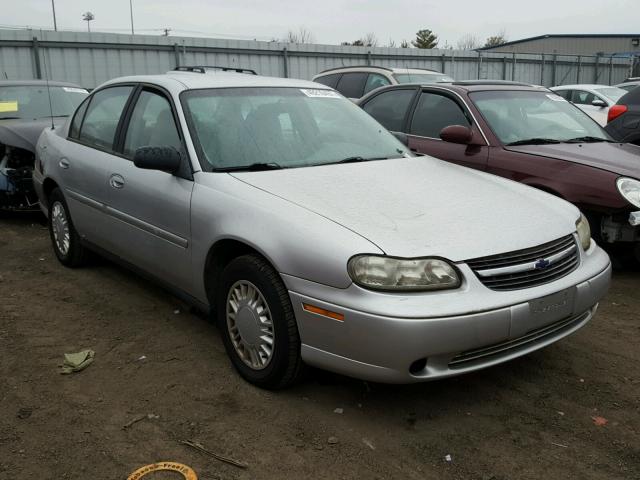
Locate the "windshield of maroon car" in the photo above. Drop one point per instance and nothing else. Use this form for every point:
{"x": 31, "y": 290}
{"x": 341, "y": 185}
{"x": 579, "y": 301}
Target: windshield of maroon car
{"x": 421, "y": 77}
{"x": 515, "y": 116}
{"x": 286, "y": 127}
{"x": 32, "y": 101}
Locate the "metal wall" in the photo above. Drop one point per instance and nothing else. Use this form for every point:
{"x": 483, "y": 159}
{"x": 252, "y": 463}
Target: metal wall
{"x": 576, "y": 45}
{"x": 92, "y": 58}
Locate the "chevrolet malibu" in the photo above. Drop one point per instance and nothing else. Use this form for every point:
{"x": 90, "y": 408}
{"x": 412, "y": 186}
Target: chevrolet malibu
{"x": 310, "y": 233}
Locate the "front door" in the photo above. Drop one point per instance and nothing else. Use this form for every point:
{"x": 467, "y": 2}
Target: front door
{"x": 151, "y": 208}
{"x": 435, "y": 111}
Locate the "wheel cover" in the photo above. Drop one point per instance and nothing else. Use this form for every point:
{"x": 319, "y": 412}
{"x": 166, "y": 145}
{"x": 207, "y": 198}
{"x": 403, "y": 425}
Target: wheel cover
{"x": 250, "y": 324}
{"x": 60, "y": 228}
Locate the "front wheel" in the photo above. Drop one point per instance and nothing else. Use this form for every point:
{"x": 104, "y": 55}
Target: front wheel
{"x": 257, "y": 323}
{"x": 66, "y": 241}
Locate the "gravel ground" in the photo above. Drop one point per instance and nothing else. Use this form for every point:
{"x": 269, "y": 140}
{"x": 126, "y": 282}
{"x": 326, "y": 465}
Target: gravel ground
{"x": 542, "y": 416}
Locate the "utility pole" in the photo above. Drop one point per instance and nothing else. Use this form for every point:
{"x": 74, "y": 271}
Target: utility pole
{"x": 53, "y": 6}
{"x": 87, "y": 17}
{"x": 131, "y": 11}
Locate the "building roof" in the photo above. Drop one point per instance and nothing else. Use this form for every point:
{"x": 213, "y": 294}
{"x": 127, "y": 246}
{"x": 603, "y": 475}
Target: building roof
{"x": 566, "y": 35}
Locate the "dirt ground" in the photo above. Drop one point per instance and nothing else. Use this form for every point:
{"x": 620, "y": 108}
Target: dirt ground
{"x": 532, "y": 418}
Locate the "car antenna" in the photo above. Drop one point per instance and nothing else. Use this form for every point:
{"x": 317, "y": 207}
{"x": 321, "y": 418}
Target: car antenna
{"x": 408, "y": 74}
{"x": 46, "y": 78}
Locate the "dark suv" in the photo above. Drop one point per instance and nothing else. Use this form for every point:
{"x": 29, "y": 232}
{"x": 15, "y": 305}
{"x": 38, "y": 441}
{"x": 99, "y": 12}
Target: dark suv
{"x": 525, "y": 133}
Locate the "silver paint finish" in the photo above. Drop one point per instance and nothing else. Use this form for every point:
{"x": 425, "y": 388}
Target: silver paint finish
{"x": 308, "y": 222}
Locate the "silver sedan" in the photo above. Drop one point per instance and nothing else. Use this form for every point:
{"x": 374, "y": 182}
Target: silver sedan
{"x": 310, "y": 233}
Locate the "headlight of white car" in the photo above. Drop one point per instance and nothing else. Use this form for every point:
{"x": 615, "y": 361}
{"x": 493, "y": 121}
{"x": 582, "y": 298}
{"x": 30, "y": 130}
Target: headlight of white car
{"x": 629, "y": 188}
{"x": 584, "y": 232}
{"x": 402, "y": 274}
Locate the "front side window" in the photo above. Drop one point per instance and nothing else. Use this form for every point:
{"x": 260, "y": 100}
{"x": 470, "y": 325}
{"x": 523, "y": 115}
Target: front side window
{"x": 529, "y": 117}
{"x": 102, "y": 117}
{"x": 375, "y": 80}
{"x": 390, "y": 108}
{"x": 582, "y": 97}
{"x": 31, "y": 102}
{"x": 351, "y": 85}
{"x": 234, "y": 128}
{"x": 151, "y": 124}
{"x": 435, "y": 112}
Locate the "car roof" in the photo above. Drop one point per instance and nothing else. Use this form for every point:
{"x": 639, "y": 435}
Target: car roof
{"x": 374, "y": 68}
{"x": 177, "y": 80}
{"x": 51, "y": 83}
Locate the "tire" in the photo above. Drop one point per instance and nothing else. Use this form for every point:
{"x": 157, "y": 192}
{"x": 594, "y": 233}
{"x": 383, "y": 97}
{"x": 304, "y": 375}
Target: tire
{"x": 66, "y": 242}
{"x": 249, "y": 284}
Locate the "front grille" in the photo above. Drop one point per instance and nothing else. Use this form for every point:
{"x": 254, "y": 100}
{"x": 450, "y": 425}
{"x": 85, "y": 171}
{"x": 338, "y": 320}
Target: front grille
{"x": 527, "y": 268}
{"x": 540, "y": 335}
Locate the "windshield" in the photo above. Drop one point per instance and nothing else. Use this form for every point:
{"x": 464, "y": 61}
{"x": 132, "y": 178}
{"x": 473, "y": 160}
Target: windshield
{"x": 522, "y": 116}
{"x": 32, "y": 101}
{"x": 422, "y": 77}
{"x": 282, "y": 127}
{"x": 612, "y": 93}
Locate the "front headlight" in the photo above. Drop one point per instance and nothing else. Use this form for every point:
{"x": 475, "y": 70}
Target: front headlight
{"x": 402, "y": 274}
{"x": 629, "y": 188}
{"x": 584, "y": 232}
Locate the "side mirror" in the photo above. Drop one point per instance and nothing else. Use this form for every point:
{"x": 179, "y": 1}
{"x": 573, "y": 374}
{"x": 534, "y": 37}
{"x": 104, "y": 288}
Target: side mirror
{"x": 166, "y": 159}
{"x": 402, "y": 137}
{"x": 457, "y": 134}
{"x": 599, "y": 103}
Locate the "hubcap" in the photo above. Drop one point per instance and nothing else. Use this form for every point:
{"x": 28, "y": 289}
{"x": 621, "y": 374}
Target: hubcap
{"x": 250, "y": 324}
{"x": 60, "y": 228}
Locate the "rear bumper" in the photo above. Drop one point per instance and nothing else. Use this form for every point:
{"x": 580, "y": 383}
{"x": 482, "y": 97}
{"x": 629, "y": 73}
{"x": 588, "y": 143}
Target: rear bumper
{"x": 384, "y": 349}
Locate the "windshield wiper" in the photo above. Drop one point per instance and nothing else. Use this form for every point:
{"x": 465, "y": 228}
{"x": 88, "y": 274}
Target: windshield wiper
{"x": 355, "y": 160}
{"x": 587, "y": 139}
{"x": 10, "y": 118}
{"x": 534, "y": 141}
{"x": 254, "y": 167}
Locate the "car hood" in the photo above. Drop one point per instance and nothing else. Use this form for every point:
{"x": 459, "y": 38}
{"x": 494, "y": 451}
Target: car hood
{"x": 620, "y": 158}
{"x": 421, "y": 206}
{"x": 24, "y": 133}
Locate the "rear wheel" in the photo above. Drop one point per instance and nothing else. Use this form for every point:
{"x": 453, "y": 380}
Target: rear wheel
{"x": 66, "y": 241}
{"x": 257, "y": 323}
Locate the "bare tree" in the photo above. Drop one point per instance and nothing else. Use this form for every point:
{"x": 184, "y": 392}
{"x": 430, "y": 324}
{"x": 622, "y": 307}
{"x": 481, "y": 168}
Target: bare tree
{"x": 302, "y": 35}
{"x": 370, "y": 40}
{"x": 404, "y": 44}
{"x": 392, "y": 43}
{"x": 468, "y": 42}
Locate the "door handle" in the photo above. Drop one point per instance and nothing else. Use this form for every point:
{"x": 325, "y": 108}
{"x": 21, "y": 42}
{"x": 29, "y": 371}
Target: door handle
{"x": 64, "y": 163}
{"x": 116, "y": 181}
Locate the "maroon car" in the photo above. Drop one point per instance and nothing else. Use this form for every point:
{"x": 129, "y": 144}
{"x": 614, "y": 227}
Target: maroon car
{"x": 524, "y": 133}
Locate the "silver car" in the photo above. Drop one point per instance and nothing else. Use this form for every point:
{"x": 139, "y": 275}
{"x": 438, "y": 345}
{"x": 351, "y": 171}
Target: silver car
{"x": 312, "y": 234}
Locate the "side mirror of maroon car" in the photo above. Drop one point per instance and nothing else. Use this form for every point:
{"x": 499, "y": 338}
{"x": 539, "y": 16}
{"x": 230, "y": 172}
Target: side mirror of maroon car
{"x": 457, "y": 134}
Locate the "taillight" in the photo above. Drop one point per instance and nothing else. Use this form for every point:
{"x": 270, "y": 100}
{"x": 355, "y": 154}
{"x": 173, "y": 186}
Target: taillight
{"x": 616, "y": 111}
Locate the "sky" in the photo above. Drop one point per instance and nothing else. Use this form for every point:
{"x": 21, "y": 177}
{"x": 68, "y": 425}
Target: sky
{"x": 333, "y": 21}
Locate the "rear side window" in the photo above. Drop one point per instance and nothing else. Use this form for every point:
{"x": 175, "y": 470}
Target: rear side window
{"x": 102, "y": 117}
{"x": 433, "y": 113}
{"x": 74, "y": 130}
{"x": 375, "y": 80}
{"x": 329, "y": 80}
{"x": 566, "y": 94}
{"x": 351, "y": 85}
{"x": 151, "y": 124}
{"x": 390, "y": 108}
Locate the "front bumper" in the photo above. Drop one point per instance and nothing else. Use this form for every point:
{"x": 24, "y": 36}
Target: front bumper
{"x": 380, "y": 346}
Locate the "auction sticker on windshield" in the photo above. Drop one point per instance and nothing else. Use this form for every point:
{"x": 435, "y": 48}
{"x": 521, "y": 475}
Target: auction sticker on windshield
{"x": 74, "y": 90}
{"x": 319, "y": 93}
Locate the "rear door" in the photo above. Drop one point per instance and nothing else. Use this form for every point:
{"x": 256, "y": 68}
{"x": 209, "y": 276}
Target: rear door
{"x": 151, "y": 208}
{"x": 85, "y": 167}
{"x": 435, "y": 110}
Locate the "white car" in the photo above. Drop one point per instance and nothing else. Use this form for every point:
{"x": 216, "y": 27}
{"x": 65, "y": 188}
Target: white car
{"x": 355, "y": 82}
{"x": 594, "y": 100}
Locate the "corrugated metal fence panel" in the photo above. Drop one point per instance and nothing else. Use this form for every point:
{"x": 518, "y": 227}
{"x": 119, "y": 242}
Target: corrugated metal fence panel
{"x": 92, "y": 58}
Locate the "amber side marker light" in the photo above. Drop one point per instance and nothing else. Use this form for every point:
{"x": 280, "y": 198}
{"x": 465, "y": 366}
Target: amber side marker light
{"x": 323, "y": 312}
